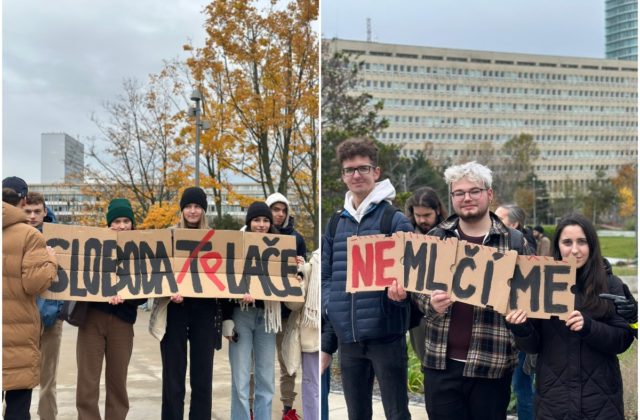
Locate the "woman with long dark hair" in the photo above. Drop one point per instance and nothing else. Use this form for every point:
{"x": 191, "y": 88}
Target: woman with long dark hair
{"x": 577, "y": 372}
{"x": 251, "y": 332}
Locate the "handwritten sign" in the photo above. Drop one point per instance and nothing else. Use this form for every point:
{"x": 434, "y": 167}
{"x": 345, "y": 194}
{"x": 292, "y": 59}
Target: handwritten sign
{"x": 475, "y": 274}
{"x": 96, "y": 263}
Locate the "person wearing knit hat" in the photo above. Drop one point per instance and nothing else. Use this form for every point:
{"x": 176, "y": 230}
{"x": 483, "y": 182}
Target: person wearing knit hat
{"x": 120, "y": 214}
{"x": 193, "y": 206}
{"x": 107, "y": 334}
{"x": 285, "y": 225}
{"x": 251, "y": 332}
{"x": 188, "y": 328}
{"x": 260, "y": 214}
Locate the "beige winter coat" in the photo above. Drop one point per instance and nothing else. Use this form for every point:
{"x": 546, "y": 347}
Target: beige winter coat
{"x": 300, "y": 338}
{"x": 27, "y": 271}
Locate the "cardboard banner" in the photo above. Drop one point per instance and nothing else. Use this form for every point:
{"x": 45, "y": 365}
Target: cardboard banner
{"x": 95, "y": 264}
{"x": 474, "y": 274}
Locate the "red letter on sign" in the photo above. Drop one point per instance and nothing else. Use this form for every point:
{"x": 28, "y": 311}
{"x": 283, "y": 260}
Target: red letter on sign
{"x": 211, "y": 271}
{"x": 362, "y": 268}
{"x": 382, "y": 263}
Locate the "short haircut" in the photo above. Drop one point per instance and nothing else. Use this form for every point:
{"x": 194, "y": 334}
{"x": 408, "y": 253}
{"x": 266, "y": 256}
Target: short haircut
{"x": 35, "y": 198}
{"x": 357, "y": 146}
{"x": 10, "y": 196}
{"x": 515, "y": 215}
{"x": 473, "y": 171}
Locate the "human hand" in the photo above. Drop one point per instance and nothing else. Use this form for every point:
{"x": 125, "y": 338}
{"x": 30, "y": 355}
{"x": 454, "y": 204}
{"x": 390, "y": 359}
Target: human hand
{"x": 516, "y": 317}
{"x": 51, "y": 251}
{"x": 177, "y": 298}
{"x": 440, "y": 301}
{"x": 325, "y": 361}
{"x": 575, "y": 322}
{"x": 247, "y": 298}
{"x": 115, "y": 300}
{"x": 396, "y": 292}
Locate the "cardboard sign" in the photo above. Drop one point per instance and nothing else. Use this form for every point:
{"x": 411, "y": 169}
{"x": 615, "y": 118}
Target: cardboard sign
{"x": 95, "y": 264}
{"x": 542, "y": 286}
{"x": 474, "y": 274}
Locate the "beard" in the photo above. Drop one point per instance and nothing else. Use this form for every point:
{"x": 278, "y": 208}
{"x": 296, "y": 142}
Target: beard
{"x": 474, "y": 217}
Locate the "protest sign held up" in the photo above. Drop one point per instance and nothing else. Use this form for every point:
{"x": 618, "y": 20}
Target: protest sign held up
{"x": 97, "y": 263}
{"x": 474, "y": 274}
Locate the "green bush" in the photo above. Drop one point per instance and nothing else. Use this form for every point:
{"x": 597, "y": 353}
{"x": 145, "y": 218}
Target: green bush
{"x": 415, "y": 378}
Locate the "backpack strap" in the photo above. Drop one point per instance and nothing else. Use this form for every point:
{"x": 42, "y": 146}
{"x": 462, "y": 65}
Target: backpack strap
{"x": 333, "y": 223}
{"x": 387, "y": 219}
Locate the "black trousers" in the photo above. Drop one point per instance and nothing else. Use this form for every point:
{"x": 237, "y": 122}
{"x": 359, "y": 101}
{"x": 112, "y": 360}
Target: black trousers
{"x": 359, "y": 363}
{"x": 193, "y": 321}
{"x": 449, "y": 395}
{"x": 18, "y": 403}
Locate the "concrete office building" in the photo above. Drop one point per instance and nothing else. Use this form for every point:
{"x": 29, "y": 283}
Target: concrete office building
{"x": 62, "y": 159}
{"x": 621, "y": 29}
{"x": 456, "y": 104}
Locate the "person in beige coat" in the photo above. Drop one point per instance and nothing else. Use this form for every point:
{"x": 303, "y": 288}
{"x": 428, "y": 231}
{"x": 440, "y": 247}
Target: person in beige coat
{"x": 301, "y": 341}
{"x": 28, "y": 267}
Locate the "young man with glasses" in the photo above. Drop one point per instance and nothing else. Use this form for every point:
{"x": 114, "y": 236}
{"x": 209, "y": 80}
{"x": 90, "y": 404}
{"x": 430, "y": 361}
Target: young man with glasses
{"x": 369, "y": 327}
{"x": 469, "y": 353}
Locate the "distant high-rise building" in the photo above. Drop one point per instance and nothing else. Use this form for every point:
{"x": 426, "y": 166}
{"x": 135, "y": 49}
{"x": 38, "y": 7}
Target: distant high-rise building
{"x": 62, "y": 159}
{"x": 459, "y": 105}
{"x": 621, "y": 26}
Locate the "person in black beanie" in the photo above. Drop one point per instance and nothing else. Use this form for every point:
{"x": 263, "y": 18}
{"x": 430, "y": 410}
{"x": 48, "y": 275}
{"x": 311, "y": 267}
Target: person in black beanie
{"x": 252, "y": 338}
{"x": 107, "y": 334}
{"x": 177, "y": 320}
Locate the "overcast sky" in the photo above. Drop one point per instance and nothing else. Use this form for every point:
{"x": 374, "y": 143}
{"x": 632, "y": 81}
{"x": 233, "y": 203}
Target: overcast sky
{"x": 556, "y": 27}
{"x": 62, "y": 59}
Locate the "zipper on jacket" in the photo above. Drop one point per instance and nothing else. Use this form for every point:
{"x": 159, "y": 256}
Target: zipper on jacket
{"x": 353, "y": 301}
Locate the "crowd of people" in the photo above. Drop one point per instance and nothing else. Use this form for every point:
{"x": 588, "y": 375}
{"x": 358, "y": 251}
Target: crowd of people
{"x": 471, "y": 356}
{"x": 186, "y": 328}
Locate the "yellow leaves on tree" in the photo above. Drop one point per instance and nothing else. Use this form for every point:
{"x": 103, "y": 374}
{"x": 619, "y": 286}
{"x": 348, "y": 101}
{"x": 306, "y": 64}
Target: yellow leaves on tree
{"x": 161, "y": 216}
{"x": 627, "y": 202}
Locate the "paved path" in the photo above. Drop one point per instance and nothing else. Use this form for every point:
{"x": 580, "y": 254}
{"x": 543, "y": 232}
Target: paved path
{"x": 145, "y": 379}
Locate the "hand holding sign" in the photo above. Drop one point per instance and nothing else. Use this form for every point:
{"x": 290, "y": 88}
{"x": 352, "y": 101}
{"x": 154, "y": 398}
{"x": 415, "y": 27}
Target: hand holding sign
{"x": 516, "y": 317}
{"x": 396, "y": 292}
{"x": 575, "y": 321}
{"x": 115, "y": 300}
{"x": 440, "y": 301}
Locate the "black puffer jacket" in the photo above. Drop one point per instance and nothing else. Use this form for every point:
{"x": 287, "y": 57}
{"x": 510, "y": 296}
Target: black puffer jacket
{"x": 578, "y": 375}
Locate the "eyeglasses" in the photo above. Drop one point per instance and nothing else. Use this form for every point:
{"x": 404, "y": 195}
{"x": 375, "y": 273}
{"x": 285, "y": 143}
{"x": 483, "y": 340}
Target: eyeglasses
{"x": 474, "y": 193}
{"x": 364, "y": 169}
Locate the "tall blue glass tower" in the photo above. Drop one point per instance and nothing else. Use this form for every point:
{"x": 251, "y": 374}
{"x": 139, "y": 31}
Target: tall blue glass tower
{"x": 621, "y": 27}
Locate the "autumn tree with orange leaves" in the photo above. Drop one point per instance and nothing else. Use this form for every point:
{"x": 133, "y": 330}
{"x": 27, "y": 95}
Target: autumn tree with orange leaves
{"x": 258, "y": 72}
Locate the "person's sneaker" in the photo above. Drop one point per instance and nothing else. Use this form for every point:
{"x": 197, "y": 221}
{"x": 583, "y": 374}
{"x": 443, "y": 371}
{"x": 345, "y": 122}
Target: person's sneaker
{"x": 290, "y": 415}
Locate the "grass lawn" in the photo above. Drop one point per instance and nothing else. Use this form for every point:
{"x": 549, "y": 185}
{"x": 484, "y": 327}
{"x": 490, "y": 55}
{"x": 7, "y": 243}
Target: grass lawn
{"x": 619, "y": 247}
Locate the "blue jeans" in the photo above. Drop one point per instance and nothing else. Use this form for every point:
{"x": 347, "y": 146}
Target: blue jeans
{"x": 523, "y": 388}
{"x": 324, "y": 393}
{"x": 252, "y": 341}
{"x": 360, "y": 363}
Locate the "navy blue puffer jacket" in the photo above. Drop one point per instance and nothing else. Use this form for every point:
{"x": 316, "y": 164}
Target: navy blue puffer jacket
{"x": 364, "y": 316}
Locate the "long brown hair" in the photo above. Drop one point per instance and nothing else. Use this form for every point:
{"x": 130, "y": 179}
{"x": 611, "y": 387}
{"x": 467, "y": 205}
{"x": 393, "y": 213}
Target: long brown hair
{"x": 592, "y": 278}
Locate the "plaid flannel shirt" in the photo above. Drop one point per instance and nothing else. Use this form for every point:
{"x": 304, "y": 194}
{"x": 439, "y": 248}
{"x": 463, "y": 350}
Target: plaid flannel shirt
{"x": 492, "y": 352}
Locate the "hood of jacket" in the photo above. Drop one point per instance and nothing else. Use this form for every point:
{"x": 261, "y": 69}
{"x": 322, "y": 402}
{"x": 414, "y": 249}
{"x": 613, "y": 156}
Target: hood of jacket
{"x": 12, "y": 215}
{"x": 383, "y": 191}
{"x": 279, "y": 198}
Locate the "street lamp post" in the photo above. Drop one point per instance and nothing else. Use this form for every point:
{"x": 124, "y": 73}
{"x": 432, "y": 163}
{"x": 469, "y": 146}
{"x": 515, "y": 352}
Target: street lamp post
{"x": 535, "y": 219}
{"x": 194, "y": 111}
